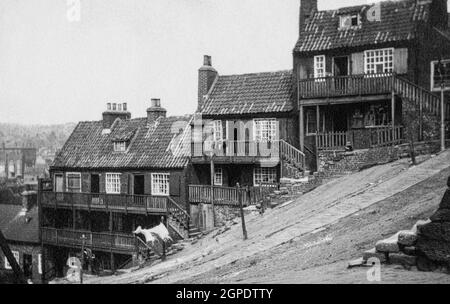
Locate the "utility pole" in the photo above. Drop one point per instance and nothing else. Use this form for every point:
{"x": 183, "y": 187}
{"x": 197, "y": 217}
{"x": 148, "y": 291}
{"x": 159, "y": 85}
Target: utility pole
{"x": 212, "y": 188}
{"x": 244, "y": 229}
{"x": 83, "y": 239}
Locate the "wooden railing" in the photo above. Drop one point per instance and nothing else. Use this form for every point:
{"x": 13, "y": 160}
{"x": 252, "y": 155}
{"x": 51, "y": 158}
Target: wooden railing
{"x": 331, "y": 140}
{"x": 96, "y": 240}
{"x": 336, "y": 86}
{"x": 418, "y": 95}
{"x": 229, "y": 195}
{"x": 386, "y": 136}
{"x": 292, "y": 155}
{"x": 373, "y": 137}
{"x": 233, "y": 148}
{"x": 122, "y": 202}
{"x": 178, "y": 213}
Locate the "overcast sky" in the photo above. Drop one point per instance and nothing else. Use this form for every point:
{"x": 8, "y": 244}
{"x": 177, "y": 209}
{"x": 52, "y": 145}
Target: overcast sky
{"x": 55, "y": 69}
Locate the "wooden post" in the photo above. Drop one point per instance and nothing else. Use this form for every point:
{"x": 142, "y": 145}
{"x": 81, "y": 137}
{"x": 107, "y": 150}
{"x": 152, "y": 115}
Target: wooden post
{"x": 83, "y": 239}
{"x": 20, "y": 278}
{"x": 302, "y": 128}
{"x": 163, "y": 257}
{"x": 244, "y": 229}
{"x": 212, "y": 189}
{"x": 393, "y": 116}
{"x": 442, "y": 118}
{"x": 317, "y": 118}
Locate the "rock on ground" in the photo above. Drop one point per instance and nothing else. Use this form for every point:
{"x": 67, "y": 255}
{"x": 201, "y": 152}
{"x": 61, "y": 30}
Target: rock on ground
{"x": 407, "y": 238}
{"x": 402, "y": 259}
{"x": 372, "y": 253}
{"x": 388, "y": 245}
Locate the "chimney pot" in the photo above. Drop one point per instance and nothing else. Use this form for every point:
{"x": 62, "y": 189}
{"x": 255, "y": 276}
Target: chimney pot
{"x": 124, "y": 106}
{"x": 207, "y": 60}
{"x": 108, "y": 106}
{"x": 156, "y": 102}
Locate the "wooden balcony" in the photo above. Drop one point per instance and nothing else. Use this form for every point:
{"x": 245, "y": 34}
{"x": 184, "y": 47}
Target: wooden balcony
{"x": 229, "y": 195}
{"x": 341, "y": 86}
{"x": 239, "y": 152}
{"x": 104, "y": 241}
{"x": 141, "y": 204}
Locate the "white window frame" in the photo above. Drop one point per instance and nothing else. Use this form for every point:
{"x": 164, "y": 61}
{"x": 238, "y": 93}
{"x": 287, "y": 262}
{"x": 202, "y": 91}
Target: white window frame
{"x": 112, "y": 183}
{"x": 351, "y": 17}
{"x": 434, "y": 87}
{"x": 265, "y": 130}
{"x": 372, "y": 58}
{"x": 320, "y": 66}
{"x": 218, "y": 176}
{"x": 78, "y": 174}
{"x": 269, "y": 172}
{"x": 157, "y": 187}
{"x": 120, "y": 146}
{"x": 16, "y": 256}
{"x": 217, "y": 130}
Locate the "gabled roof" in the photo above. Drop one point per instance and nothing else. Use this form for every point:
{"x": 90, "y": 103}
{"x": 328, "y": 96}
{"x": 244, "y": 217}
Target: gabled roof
{"x": 269, "y": 92}
{"x": 17, "y": 225}
{"x": 398, "y": 22}
{"x": 150, "y": 146}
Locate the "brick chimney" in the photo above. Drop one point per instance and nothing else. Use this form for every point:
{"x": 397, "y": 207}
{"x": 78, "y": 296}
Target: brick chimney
{"x": 155, "y": 111}
{"x": 114, "y": 111}
{"x": 206, "y": 76}
{"x": 307, "y": 8}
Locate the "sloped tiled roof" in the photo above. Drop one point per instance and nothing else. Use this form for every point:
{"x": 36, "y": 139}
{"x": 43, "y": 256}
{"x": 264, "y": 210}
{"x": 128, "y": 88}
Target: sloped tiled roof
{"x": 268, "y": 92}
{"x": 398, "y": 22}
{"x": 17, "y": 225}
{"x": 151, "y": 146}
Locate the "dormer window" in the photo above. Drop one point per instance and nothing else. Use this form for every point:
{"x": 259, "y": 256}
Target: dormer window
{"x": 349, "y": 21}
{"x": 120, "y": 146}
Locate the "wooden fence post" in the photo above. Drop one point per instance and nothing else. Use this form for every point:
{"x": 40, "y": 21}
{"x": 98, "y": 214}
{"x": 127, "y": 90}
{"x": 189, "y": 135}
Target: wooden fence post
{"x": 244, "y": 229}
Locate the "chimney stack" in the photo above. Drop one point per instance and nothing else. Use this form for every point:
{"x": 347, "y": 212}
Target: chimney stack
{"x": 114, "y": 111}
{"x": 206, "y": 77}
{"x": 307, "y": 9}
{"x": 155, "y": 111}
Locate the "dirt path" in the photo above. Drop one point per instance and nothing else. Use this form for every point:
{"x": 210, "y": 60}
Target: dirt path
{"x": 300, "y": 232}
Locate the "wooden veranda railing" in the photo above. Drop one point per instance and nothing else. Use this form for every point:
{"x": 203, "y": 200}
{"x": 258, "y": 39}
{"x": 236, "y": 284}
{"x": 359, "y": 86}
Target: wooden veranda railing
{"x": 99, "y": 201}
{"x": 373, "y": 137}
{"x": 336, "y": 86}
{"x": 230, "y": 195}
{"x": 96, "y": 240}
{"x": 292, "y": 155}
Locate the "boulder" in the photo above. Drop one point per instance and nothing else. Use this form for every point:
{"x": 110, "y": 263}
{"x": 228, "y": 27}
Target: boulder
{"x": 407, "y": 238}
{"x": 435, "y": 250}
{"x": 425, "y": 264}
{"x": 445, "y": 202}
{"x": 388, "y": 245}
{"x": 419, "y": 224}
{"x": 372, "y": 253}
{"x": 409, "y": 250}
{"x": 402, "y": 259}
{"x": 442, "y": 215}
{"x": 436, "y": 231}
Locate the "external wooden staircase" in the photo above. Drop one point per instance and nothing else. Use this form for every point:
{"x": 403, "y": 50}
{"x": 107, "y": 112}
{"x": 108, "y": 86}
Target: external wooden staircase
{"x": 292, "y": 161}
{"x": 180, "y": 222}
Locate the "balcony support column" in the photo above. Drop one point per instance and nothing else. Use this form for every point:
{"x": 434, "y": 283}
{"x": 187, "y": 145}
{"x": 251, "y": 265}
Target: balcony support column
{"x": 302, "y": 128}
{"x": 393, "y": 116}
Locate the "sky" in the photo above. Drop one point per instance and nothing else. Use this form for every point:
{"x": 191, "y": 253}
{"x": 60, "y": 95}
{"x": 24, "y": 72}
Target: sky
{"x": 62, "y": 64}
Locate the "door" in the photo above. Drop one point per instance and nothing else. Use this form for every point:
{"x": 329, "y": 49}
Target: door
{"x": 139, "y": 185}
{"x": 340, "y": 70}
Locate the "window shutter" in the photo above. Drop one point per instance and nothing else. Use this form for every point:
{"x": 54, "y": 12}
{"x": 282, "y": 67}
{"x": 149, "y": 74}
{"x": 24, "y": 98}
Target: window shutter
{"x": 401, "y": 61}
{"x": 102, "y": 183}
{"x": 124, "y": 183}
{"x": 357, "y": 63}
{"x": 174, "y": 185}
{"x": 85, "y": 182}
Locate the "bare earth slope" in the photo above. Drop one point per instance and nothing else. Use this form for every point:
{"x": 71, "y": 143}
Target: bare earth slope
{"x": 311, "y": 239}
